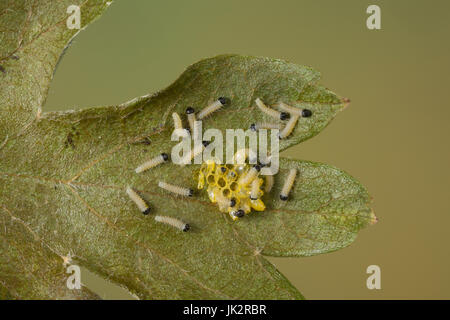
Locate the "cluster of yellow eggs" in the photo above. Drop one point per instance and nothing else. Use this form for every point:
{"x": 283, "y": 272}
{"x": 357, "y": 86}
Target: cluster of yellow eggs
{"x": 226, "y": 188}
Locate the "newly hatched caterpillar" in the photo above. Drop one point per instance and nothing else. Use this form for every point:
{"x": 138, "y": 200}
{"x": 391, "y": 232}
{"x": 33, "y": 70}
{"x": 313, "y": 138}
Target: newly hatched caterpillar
{"x": 288, "y": 184}
{"x": 264, "y": 125}
{"x": 198, "y": 126}
{"x": 238, "y": 213}
{"x": 269, "y": 178}
{"x": 163, "y": 157}
{"x": 216, "y": 105}
{"x": 254, "y": 192}
{"x": 250, "y": 175}
{"x": 141, "y": 203}
{"x": 290, "y": 125}
{"x": 271, "y": 112}
{"x": 241, "y": 155}
{"x": 178, "y": 125}
{"x": 265, "y": 160}
{"x": 305, "y": 113}
{"x": 197, "y": 150}
{"x": 186, "y": 192}
{"x": 269, "y": 183}
{"x": 173, "y": 222}
{"x": 190, "y": 112}
{"x": 224, "y": 202}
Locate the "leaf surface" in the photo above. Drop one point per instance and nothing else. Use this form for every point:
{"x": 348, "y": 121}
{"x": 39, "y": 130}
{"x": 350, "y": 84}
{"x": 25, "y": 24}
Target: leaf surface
{"x": 64, "y": 175}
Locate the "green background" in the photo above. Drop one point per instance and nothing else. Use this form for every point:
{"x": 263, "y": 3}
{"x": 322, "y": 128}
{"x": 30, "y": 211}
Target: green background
{"x": 393, "y": 137}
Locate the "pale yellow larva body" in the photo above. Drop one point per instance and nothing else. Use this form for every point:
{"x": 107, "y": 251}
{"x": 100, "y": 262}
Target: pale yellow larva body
{"x": 224, "y": 202}
{"x": 141, "y": 204}
{"x": 250, "y": 175}
{"x": 269, "y": 183}
{"x": 290, "y": 125}
{"x": 265, "y": 125}
{"x": 173, "y": 222}
{"x": 156, "y": 161}
{"x": 182, "y": 191}
{"x": 288, "y": 183}
{"x": 243, "y": 154}
{"x": 178, "y": 125}
{"x": 293, "y": 110}
{"x": 191, "y": 155}
{"x": 240, "y": 211}
{"x": 254, "y": 191}
{"x": 237, "y": 214}
{"x": 213, "y": 107}
{"x": 271, "y": 112}
{"x": 190, "y": 112}
{"x": 197, "y": 132}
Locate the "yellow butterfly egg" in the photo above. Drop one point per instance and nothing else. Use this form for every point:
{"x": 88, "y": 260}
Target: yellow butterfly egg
{"x": 227, "y": 188}
{"x": 258, "y": 205}
{"x": 201, "y": 180}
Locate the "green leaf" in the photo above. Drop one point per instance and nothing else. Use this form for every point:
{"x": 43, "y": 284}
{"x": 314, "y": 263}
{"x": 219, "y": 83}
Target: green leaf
{"x": 30, "y": 267}
{"x": 32, "y": 38}
{"x": 63, "y": 175}
{"x": 326, "y": 209}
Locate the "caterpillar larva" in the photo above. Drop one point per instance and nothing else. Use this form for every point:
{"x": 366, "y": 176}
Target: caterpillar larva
{"x": 288, "y": 184}
{"x": 305, "y": 113}
{"x": 196, "y": 151}
{"x": 271, "y": 112}
{"x": 250, "y": 175}
{"x": 190, "y": 112}
{"x": 224, "y": 202}
{"x": 141, "y": 203}
{"x": 265, "y": 160}
{"x": 178, "y": 125}
{"x": 173, "y": 222}
{"x": 290, "y": 125}
{"x": 163, "y": 157}
{"x": 186, "y": 192}
{"x": 270, "y": 179}
{"x": 241, "y": 155}
{"x": 216, "y": 105}
{"x": 264, "y": 125}
{"x": 254, "y": 191}
{"x": 198, "y": 126}
{"x": 269, "y": 183}
{"x": 238, "y": 213}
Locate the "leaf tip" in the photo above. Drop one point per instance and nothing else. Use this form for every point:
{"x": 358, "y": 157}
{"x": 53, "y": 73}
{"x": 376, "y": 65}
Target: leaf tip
{"x": 373, "y": 218}
{"x": 345, "y": 102}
